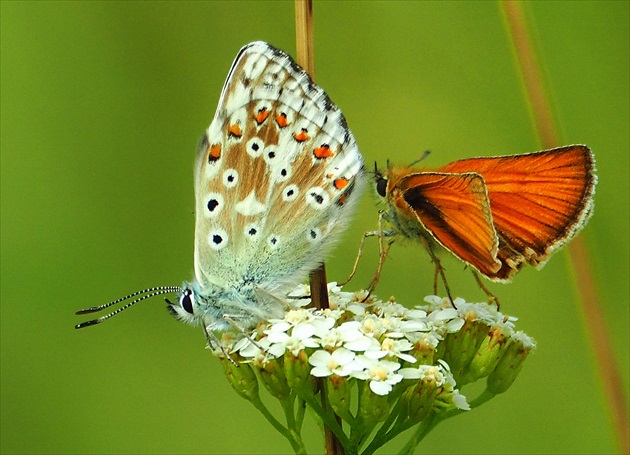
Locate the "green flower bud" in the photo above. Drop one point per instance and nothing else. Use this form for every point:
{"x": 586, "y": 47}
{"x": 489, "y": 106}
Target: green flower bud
{"x": 241, "y": 377}
{"x": 373, "y": 408}
{"x": 417, "y": 401}
{"x": 510, "y": 364}
{"x": 462, "y": 346}
{"x": 339, "y": 393}
{"x": 273, "y": 378}
{"x": 298, "y": 374}
{"x": 489, "y": 353}
{"x": 424, "y": 352}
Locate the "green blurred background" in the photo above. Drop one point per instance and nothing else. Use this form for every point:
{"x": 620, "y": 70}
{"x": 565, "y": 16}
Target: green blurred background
{"x": 102, "y": 106}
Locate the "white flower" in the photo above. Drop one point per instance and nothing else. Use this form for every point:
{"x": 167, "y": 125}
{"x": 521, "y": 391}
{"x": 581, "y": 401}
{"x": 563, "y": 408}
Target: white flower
{"x": 432, "y": 372}
{"x": 373, "y": 325}
{"x": 397, "y": 348}
{"x": 340, "y": 362}
{"x": 352, "y": 337}
{"x": 258, "y": 351}
{"x": 301, "y": 337}
{"x": 430, "y": 338}
{"x": 459, "y": 400}
{"x": 381, "y": 374}
{"x": 294, "y": 317}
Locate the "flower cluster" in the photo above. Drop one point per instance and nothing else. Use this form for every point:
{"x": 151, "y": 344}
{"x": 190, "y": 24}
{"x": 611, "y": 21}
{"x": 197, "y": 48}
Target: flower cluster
{"x": 407, "y": 364}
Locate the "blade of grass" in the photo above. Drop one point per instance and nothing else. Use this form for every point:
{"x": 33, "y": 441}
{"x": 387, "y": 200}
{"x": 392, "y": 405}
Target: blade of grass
{"x": 591, "y": 306}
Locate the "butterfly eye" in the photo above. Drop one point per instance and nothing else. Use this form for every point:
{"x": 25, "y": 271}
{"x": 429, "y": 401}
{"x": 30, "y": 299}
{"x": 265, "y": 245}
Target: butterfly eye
{"x": 186, "y": 301}
{"x": 381, "y": 186}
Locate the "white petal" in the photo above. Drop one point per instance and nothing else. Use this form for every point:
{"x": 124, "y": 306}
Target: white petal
{"x": 278, "y": 337}
{"x": 343, "y": 356}
{"x": 414, "y": 326}
{"x": 444, "y": 315}
{"x": 410, "y": 373}
{"x": 380, "y": 388}
{"x": 375, "y": 354}
{"x": 277, "y": 350}
{"x": 281, "y": 326}
{"x": 303, "y": 330}
{"x": 460, "y": 402}
{"x": 360, "y": 344}
{"x": 407, "y": 358}
{"x": 455, "y": 325}
{"x": 416, "y": 314}
{"x": 320, "y": 372}
{"x": 319, "y": 358}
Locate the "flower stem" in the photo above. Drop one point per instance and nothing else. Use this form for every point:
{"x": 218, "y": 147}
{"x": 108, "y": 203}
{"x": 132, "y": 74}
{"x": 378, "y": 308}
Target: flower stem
{"x": 290, "y": 434}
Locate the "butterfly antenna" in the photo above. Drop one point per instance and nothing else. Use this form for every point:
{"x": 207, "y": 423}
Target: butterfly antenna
{"x": 422, "y": 157}
{"x": 151, "y": 292}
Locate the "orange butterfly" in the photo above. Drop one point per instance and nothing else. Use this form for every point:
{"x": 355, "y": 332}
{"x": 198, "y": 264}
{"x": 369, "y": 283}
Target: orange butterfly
{"x": 494, "y": 213}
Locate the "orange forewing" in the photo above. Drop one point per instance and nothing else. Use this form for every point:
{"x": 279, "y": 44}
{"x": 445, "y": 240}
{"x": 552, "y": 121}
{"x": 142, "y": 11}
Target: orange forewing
{"x": 496, "y": 213}
{"x": 455, "y": 209}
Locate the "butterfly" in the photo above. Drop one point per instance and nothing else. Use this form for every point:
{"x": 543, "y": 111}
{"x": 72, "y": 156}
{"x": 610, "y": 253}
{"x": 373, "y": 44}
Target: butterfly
{"x": 277, "y": 176}
{"x": 493, "y": 213}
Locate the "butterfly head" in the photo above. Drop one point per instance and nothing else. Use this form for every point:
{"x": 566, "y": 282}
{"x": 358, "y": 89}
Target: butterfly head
{"x": 185, "y": 307}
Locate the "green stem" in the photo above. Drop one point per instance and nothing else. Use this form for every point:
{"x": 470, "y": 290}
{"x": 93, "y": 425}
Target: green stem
{"x": 293, "y": 437}
{"x": 299, "y": 413}
{"x": 431, "y": 422}
{"x": 381, "y": 436}
{"x": 423, "y": 429}
{"x": 328, "y": 419}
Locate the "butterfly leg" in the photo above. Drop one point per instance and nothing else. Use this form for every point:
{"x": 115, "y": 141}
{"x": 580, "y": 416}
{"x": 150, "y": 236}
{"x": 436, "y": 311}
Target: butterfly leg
{"x": 359, "y": 254}
{"x": 439, "y": 271}
{"x": 230, "y": 320}
{"x": 383, "y": 252}
{"x": 212, "y": 339}
{"x": 492, "y": 299}
{"x": 380, "y": 233}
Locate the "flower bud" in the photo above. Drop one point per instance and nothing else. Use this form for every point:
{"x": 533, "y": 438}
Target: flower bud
{"x": 489, "y": 353}
{"x": 298, "y": 374}
{"x": 510, "y": 364}
{"x": 462, "y": 346}
{"x": 273, "y": 378}
{"x": 241, "y": 377}
{"x": 417, "y": 401}
{"x": 373, "y": 408}
{"x": 339, "y": 394}
{"x": 424, "y": 352}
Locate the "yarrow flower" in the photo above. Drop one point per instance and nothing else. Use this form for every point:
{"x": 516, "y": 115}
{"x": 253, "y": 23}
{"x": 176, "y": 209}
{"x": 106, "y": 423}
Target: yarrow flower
{"x": 420, "y": 356}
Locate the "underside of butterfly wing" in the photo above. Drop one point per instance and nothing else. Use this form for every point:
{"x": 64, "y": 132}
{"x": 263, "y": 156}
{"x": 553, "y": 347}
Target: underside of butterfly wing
{"x": 277, "y": 175}
{"x": 451, "y": 208}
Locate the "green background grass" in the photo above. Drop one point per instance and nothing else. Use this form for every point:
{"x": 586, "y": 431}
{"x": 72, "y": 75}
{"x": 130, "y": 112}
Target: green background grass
{"x": 102, "y": 106}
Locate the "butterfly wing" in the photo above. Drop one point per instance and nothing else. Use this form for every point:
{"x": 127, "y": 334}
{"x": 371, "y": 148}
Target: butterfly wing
{"x": 453, "y": 208}
{"x": 277, "y": 175}
{"x": 539, "y": 200}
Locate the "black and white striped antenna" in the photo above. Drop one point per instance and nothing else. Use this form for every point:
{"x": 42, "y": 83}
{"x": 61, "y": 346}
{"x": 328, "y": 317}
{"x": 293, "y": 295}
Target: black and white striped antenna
{"x": 148, "y": 293}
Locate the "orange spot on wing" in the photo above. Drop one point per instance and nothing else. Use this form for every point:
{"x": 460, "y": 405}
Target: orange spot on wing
{"x": 342, "y": 199}
{"x": 214, "y": 152}
{"x": 281, "y": 120}
{"x": 323, "y": 152}
{"x": 262, "y": 115}
{"x": 301, "y": 135}
{"x": 235, "y": 130}
{"x": 340, "y": 183}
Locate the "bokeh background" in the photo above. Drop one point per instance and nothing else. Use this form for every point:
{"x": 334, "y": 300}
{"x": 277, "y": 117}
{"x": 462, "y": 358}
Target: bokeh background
{"x": 102, "y": 107}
